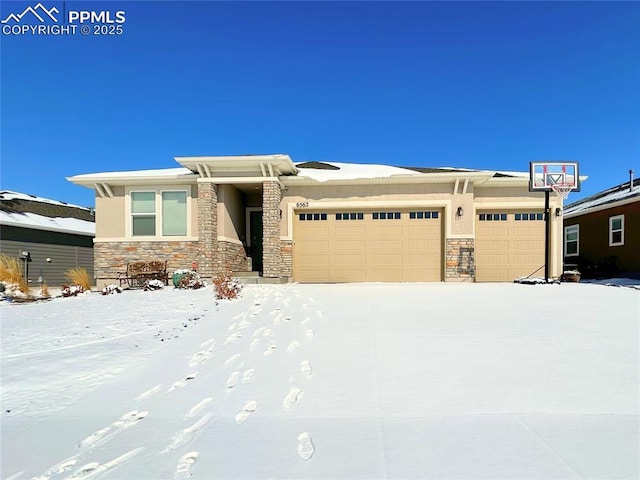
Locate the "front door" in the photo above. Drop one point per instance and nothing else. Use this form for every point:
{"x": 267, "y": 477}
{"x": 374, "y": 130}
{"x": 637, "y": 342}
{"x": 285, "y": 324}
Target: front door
{"x": 255, "y": 234}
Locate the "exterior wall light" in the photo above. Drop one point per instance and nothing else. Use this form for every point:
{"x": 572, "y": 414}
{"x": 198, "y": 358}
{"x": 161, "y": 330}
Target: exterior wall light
{"x": 558, "y": 212}
{"x": 460, "y": 212}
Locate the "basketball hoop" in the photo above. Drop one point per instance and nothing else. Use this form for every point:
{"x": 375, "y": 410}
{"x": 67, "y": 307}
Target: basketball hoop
{"x": 562, "y": 189}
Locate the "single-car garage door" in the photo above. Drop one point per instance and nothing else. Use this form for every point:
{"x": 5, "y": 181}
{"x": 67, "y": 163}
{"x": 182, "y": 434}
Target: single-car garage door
{"x": 368, "y": 246}
{"x": 509, "y": 245}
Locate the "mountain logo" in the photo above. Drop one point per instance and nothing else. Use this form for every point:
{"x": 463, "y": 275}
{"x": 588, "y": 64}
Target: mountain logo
{"x": 39, "y": 12}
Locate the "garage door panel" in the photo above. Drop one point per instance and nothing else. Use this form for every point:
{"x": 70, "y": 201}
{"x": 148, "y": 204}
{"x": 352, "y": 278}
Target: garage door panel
{"x": 346, "y": 259}
{"x": 508, "y": 249}
{"x": 349, "y": 246}
{"x": 367, "y": 250}
{"x": 313, "y": 247}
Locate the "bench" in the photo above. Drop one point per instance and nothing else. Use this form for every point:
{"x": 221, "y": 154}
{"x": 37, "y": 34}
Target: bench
{"x": 141, "y": 271}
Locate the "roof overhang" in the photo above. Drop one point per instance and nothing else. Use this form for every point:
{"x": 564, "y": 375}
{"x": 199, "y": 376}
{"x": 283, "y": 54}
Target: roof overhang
{"x": 239, "y": 165}
{"x": 603, "y": 206}
{"x": 476, "y": 178}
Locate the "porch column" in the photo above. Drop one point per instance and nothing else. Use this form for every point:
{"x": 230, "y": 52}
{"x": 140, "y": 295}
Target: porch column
{"x": 271, "y": 229}
{"x": 208, "y": 229}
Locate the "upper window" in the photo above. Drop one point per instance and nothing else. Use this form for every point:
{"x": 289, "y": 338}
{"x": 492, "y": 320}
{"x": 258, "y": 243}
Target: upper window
{"x": 143, "y": 213}
{"x": 616, "y": 230}
{"x": 492, "y": 217}
{"x": 571, "y": 240}
{"x": 153, "y": 212}
{"x": 422, "y": 215}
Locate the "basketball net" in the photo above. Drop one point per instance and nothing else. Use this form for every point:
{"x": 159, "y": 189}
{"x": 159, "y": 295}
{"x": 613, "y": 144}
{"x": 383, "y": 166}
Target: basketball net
{"x": 562, "y": 190}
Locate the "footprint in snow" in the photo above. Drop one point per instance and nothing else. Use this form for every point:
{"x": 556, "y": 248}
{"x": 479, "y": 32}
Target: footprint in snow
{"x": 248, "y": 375}
{"x": 232, "y": 327}
{"x": 270, "y": 349}
{"x": 248, "y": 409}
{"x": 184, "y": 436}
{"x": 305, "y": 367}
{"x": 103, "y": 435}
{"x": 305, "y": 446}
{"x": 232, "y": 359}
{"x": 183, "y": 470}
{"x": 254, "y": 344}
{"x": 196, "y": 409}
{"x": 183, "y": 382}
{"x": 149, "y": 392}
{"x": 310, "y": 334}
{"x": 293, "y": 346}
{"x": 292, "y": 398}
{"x": 232, "y": 381}
{"x": 232, "y": 338}
{"x": 259, "y": 331}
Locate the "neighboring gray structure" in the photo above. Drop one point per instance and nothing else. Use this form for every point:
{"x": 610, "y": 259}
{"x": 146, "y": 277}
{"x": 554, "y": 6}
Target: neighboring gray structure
{"x": 57, "y": 236}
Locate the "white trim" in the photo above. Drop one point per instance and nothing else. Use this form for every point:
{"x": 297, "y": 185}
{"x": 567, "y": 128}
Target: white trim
{"x": 611, "y": 231}
{"x": 145, "y": 239}
{"x": 229, "y": 240}
{"x": 455, "y": 186}
{"x": 604, "y": 206}
{"x": 47, "y": 228}
{"x": 465, "y": 186}
{"x": 577, "y": 240}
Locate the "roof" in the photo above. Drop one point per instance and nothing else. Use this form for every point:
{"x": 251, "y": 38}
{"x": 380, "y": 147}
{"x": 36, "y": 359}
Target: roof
{"x": 30, "y": 211}
{"x": 280, "y": 165}
{"x": 609, "y": 198}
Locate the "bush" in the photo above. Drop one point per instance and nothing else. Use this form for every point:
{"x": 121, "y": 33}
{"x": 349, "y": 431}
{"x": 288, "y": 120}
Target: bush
{"x": 189, "y": 279}
{"x": 152, "y": 285}
{"x": 107, "y": 289}
{"x": 80, "y": 277}
{"x": 225, "y": 286}
{"x": 11, "y": 273}
{"x": 72, "y": 290}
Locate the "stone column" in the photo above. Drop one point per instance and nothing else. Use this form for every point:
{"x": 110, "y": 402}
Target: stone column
{"x": 208, "y": 229}
{"x": 460, "y": 259}
{"x": 271, "y": 257}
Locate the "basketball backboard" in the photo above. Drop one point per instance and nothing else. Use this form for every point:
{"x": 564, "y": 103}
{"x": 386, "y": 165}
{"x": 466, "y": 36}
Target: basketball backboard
{"x": 549, "y": 176}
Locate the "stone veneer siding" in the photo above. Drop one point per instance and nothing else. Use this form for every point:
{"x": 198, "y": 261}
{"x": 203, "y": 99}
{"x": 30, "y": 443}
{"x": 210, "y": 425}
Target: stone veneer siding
{"x": 286, "y": 256}
{"x": 111, "y": 258}
{"x": 209, "y": 259}
{"x": 233, "y": 256}
{"x": 271, "y": 229}
{"x": 460, "y": 263}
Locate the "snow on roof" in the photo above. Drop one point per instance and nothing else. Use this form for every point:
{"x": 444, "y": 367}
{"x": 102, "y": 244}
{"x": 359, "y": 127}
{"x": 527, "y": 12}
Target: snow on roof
{"x": 11, "y": 195}
{"x": 40, "y": 222}
{"x": 353, "y": 171}
{"x": 162, "y": 172}
{"x": 611, "y": 195}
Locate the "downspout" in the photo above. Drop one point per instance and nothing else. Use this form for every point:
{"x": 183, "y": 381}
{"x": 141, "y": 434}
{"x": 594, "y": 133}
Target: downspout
{"x": 630, "y": 180}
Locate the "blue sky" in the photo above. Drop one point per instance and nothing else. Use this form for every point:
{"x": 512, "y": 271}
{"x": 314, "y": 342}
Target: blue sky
{"x": 489, "y": 85}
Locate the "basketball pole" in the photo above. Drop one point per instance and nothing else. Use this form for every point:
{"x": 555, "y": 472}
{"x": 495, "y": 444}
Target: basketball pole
{"x": 547, "y": 220}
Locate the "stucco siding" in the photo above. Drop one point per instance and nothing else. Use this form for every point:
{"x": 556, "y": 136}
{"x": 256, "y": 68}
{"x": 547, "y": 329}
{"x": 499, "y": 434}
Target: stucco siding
{"x": 111, "y": 215}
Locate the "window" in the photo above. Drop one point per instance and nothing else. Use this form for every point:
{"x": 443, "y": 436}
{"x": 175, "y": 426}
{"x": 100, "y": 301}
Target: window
{"x": 422, "y": 215}
{"x": 616, "y": 231}
{"x": 174, "y": 213}
{"x": 386, "y": 215}
{"x": 571, "y": 240}
{"x": 159, "y": 211}
{"x": 350, "y": 216}
{"x": 312, "y": 217}
{"x": 492, "y": 217}
{"x": 529, "y": 216}
{"x": 143, "y": 213}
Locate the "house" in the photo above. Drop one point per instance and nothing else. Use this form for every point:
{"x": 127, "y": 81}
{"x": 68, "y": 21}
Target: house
{"x": 323, "y": 221}
{"x": 49, "y": 236}
{"x": 602, "y": 232}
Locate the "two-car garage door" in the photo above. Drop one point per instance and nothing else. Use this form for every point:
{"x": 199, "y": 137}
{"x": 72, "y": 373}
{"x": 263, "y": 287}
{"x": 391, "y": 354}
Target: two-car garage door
{"x": 388, "y": 245}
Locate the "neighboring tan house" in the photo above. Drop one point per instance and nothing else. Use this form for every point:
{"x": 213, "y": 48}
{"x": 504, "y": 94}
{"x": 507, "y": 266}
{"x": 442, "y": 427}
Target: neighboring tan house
{"x": 602, "y": 232}
{"x": 56, "y": 235}
{"x": 323, "y": 221}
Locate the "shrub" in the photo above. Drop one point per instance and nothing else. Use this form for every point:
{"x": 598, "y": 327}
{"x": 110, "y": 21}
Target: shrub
{"x": 11, "y": 273}
{"x": 44, "y": 291}
{"x": 72, "y": 290}
{"x": 107, "y": 289}
{"x": 152, "y": 285}
{"x": 189, "y": 279}
{"x": 79, "y": 276}
{"x": 225, "y": 286}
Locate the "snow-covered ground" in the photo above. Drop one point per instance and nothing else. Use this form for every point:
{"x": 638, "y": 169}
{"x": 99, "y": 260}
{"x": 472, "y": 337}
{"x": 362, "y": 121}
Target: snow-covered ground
{"x": 397, "y": 381}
